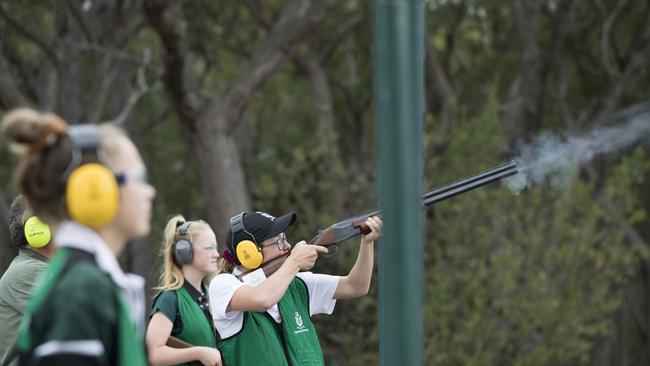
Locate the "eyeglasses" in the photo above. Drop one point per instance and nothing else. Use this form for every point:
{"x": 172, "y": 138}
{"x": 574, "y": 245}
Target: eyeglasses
{"x": 138, "y": 176}
{"x": 281, "y": 242}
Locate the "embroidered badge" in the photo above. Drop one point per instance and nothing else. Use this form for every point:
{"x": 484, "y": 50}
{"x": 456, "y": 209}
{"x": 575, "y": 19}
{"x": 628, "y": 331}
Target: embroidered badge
{"x": 300, "y": 327}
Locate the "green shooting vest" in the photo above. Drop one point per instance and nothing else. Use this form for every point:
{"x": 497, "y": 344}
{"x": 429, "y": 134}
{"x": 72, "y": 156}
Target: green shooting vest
{"x": 262, "y": 341}
{"x": 196, "y": 329}
{"x": 124, "y": 348}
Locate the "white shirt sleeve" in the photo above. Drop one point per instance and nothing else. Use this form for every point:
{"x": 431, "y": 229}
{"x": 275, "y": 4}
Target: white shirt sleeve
{"x": 321, "y": 288}
{"x": 222, "y": 288}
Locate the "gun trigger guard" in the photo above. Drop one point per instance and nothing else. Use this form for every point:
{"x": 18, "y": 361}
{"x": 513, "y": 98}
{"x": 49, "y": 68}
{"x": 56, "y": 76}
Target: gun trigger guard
{"x": 331, "y": 253}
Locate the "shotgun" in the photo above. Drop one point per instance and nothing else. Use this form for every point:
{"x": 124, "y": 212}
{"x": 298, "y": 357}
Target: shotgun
{"x": 354, "y": 226}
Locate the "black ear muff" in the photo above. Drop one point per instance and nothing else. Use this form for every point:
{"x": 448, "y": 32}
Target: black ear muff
{"x": 183, "y": 252}
{"x": 247, "y": 252}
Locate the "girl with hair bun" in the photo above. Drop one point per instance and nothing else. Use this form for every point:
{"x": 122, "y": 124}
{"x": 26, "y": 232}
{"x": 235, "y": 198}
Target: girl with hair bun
{"x": 181, "y": 309}
{"x": 89, "y": 183}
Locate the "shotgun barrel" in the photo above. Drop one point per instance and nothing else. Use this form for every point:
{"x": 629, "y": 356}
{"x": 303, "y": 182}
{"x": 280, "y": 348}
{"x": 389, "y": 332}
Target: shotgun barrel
{"x": 354, "y": 226}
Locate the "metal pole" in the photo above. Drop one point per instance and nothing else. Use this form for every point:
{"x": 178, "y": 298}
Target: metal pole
{"x": 398, "y": 74}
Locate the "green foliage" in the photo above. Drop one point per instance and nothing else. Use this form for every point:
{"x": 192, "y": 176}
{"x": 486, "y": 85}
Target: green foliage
{"x": 530, "y": 279}
{"x": 540, "y": 278}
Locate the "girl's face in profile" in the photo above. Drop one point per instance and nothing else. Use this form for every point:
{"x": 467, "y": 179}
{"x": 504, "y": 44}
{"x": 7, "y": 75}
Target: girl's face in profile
{"x": 206, "y": 253}
{"x": 136, "y": 194}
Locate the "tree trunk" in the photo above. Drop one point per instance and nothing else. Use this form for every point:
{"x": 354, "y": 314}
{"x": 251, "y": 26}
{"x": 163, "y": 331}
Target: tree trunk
{"x": 213, "y": 124}
{"x": 441, "y": 89}
{"x": 222, "y": 177}
{"x": 141, "y": 259}
{"x": 521, "y": 115}
{"x": 328, "y": 138}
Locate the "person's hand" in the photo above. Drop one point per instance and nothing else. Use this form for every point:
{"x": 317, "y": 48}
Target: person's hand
{"x": 305, "y": 255}
{"x": 210, "y": 356}
{"x": 375, "y": 224}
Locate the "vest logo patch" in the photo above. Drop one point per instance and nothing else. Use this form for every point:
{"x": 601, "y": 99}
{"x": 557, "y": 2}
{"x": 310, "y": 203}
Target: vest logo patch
{"x": 300, "y": 327}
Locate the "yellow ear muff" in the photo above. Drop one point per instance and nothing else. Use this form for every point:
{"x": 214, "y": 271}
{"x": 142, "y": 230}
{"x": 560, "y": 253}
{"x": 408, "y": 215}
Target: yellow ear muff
{"x": 92, "y": 195}
{"x": 249, "y": 255}
{"x": 37, "y": 232}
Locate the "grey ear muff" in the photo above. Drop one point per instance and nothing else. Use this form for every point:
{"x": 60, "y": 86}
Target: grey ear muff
{"x": 183, "y": 250}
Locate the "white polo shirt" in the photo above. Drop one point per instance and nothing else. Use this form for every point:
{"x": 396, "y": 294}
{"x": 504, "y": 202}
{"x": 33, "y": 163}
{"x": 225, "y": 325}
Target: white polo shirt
{"x": 320, "y": 287}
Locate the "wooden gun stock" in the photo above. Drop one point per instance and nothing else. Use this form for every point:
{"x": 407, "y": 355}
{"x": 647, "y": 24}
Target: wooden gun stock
{"x": 174, "y": 342}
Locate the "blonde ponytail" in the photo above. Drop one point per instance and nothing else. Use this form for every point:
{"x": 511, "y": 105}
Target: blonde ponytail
{"x": 171, "y": 277}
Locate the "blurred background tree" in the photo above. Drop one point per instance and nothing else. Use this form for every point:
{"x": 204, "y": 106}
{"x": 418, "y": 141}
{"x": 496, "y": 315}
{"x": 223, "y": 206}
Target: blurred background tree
{"x": 268, "y": 105}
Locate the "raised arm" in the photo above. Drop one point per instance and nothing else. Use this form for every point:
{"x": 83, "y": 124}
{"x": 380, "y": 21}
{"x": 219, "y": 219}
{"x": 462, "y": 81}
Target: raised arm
{"x": 357, "y": 282}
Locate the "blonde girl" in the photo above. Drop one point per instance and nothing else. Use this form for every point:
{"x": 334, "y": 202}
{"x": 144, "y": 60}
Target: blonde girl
{"x": 181, "y": 308}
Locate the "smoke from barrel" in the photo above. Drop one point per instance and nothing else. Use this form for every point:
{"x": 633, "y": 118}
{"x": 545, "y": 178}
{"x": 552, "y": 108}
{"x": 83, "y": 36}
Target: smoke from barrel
{"x": 554, "y": 158}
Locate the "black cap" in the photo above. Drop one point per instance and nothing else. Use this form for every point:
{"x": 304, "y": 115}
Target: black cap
{"x": 258, "y": 226}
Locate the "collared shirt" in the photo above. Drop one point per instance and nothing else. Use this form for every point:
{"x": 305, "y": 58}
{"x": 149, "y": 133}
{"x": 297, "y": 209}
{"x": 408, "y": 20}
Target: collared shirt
{"x": 320, "y": 287}
{"x": 16, "y": 287}
{"x": 74, "y": 235}
{"x": 83, "y": 309}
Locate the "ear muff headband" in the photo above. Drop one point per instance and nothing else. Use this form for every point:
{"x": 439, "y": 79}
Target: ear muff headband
{"x": 92, "y": 192}
{"x": 247, "y": 252}
{"x": 37, "y": 232}
{"x": 183, "y": 252}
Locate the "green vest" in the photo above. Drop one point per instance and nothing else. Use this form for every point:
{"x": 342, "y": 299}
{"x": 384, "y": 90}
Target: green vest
{"x": 43, "y": 323}
{"x": 196, "y": 329}
{"x": 262, "y": 341}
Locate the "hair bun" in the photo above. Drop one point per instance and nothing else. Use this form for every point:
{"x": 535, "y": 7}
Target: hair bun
{"x": 29, "y": 127}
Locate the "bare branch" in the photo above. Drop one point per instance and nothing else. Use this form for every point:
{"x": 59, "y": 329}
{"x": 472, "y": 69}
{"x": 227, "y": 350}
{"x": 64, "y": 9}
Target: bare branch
{"x": 156, "y": 121}
{"x": 297, "y": 20}
{"x": 10, "y": 96}
{"x": 166, "y": 16}
{"x": 344, "y": 30}
{"x": 30, "y": 35}
{"x": 604, "y": 39}
{"x": 115, "y": 54}
{"x": 103, "y": 77}
{"x": 562, "y": 92}
{"x": 257, "y": 12}
{"x": 79, "y": 18}
{"x": 452, "y": 32}
{"x": 141, "y": 90}
{"x": 636, "y": 63}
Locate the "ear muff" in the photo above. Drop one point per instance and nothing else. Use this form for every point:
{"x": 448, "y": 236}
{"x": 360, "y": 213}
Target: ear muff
{"x": 249, "y": 254}
{"x": 92, "y": 195}
{"x": 92, "y": 191}
{"x": 183, "y": 252}
{"x": 37, "y": 232}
